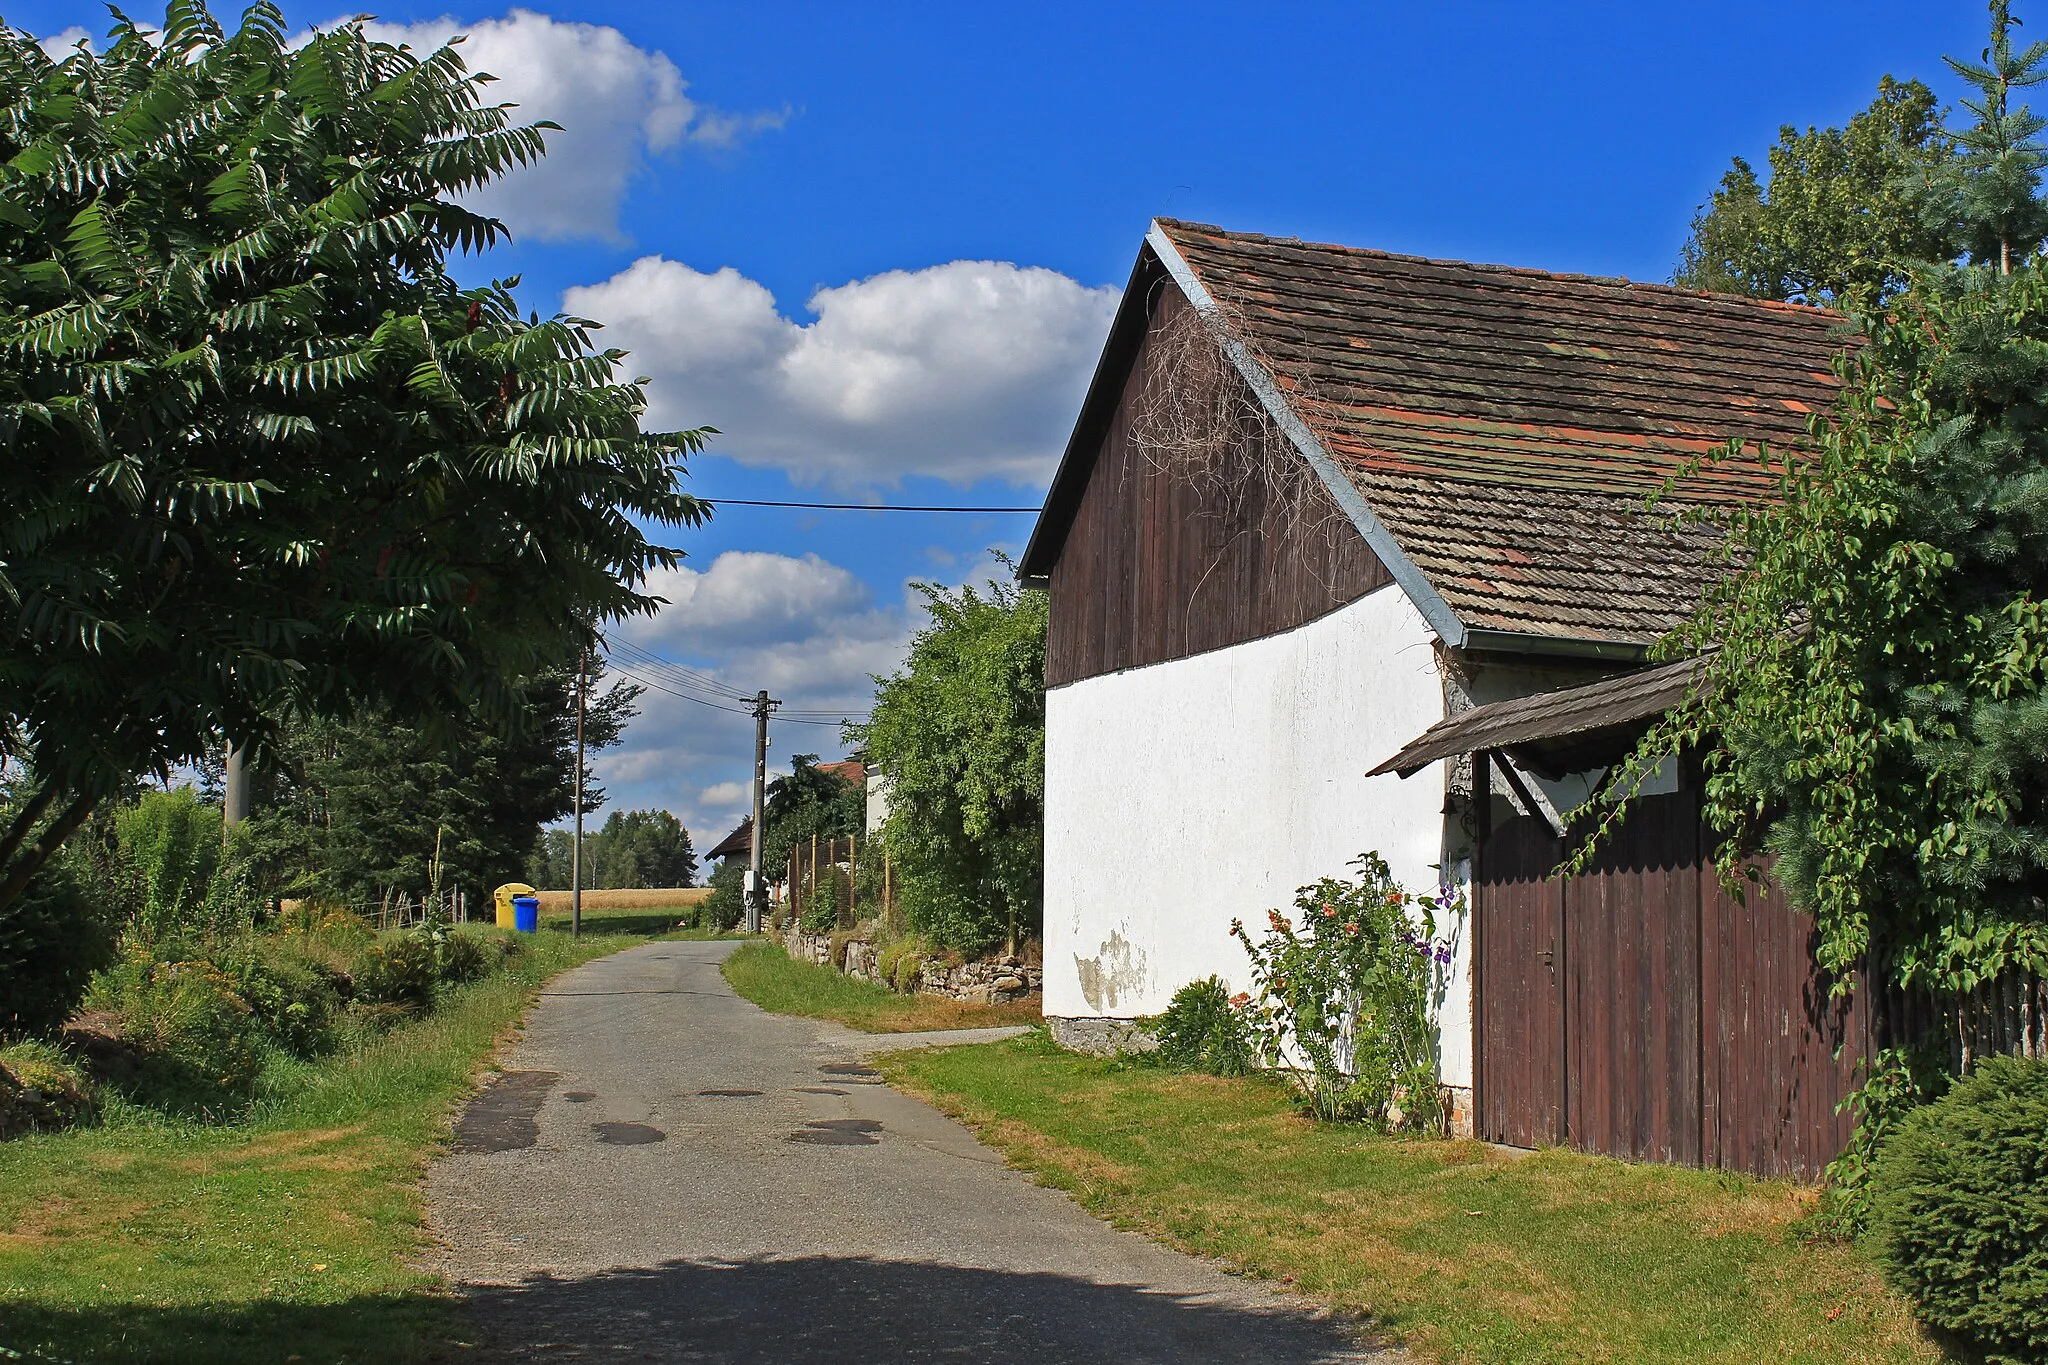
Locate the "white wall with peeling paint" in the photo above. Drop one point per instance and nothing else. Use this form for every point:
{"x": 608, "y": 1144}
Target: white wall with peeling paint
{"x": 1183, "y": 795}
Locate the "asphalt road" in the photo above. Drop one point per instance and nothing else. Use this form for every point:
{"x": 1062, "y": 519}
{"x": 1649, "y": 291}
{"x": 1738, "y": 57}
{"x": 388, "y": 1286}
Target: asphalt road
{"x": 665, "y": 1172}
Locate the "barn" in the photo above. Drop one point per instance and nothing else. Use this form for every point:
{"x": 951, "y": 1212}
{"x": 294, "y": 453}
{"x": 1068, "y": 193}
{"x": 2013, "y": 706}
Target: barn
{"x": 1319, "y": 501}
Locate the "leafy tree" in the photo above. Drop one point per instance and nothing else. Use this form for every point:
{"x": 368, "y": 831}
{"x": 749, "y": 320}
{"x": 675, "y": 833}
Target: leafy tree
{"x": 1872, "y": 705}
{"x": 961, "y": 733}
{"x": 635, "y": 848}
{"x": 808, "y": 802}
{"x": 645, "y": 848}
{"x": 1846, "y": 213}
{"x": 361, "y": 809}
{"x": 263, "y": 456}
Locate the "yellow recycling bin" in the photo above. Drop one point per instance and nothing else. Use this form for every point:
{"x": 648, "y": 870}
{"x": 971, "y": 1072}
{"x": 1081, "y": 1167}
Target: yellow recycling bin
{"x": 502, "y": 899}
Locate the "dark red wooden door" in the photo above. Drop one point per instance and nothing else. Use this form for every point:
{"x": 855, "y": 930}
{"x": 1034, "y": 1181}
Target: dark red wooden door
{"x": 1632, "y": 988}
{"x": 1518, "y": 918}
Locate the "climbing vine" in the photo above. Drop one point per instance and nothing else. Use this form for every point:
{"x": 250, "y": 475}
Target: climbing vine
{"x": 1872, "y": 700}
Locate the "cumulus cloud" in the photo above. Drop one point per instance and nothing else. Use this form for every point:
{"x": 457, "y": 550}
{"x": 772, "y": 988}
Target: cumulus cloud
{"x": 751, "y": 597}
{"x": 62, "y": 45}
{"x": 962, "y": 371}
{"x": 617, "y": 104}
{"x": 799, "y": 625}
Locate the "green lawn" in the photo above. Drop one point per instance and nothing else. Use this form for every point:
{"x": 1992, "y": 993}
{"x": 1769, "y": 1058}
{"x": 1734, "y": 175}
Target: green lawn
{"x": 1464, "y": 1252}
{"x": 775, "y": 981}
{"x": 281, "y": 1238}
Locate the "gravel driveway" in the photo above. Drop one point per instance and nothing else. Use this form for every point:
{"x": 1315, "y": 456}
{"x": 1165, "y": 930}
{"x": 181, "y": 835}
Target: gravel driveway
{"x": 665, "y": 1172}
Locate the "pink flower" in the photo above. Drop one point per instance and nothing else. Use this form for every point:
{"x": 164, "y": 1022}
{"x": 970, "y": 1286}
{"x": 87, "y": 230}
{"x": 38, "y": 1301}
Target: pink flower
{"x": 1329, "y": 912}
{"x": 1240, "y": 1000}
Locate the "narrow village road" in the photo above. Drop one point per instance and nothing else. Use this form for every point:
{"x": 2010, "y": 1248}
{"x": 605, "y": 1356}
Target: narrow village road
{"x": 665, "y": 1172}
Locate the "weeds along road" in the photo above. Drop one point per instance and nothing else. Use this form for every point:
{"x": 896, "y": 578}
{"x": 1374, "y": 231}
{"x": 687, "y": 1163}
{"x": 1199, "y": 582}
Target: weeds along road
{"x": 665, "y": 1172}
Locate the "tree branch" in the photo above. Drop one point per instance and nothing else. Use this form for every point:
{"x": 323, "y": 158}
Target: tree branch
{"x": 62, "y": 828}
{"x": 26, "y": 821}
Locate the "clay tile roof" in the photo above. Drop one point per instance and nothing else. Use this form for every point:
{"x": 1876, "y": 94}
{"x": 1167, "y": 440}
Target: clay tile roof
{"x": 851, "y": 770}
{"x": 1505, "y": 425}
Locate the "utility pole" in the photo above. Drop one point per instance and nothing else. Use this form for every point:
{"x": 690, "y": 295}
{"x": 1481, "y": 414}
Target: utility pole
{"x": 757, "y": 893}
{"x": 576, "y": 849}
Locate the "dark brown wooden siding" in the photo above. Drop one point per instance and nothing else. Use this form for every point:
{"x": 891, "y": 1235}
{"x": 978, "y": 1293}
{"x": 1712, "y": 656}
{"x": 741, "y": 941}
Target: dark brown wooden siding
{"x": 1632, "y": 954}
{"x": 1780, "y": 1054}
{"x": 1159, "y": 566}
{"x": 1517, "y": 951}
{"x": 1694, "y": 1028}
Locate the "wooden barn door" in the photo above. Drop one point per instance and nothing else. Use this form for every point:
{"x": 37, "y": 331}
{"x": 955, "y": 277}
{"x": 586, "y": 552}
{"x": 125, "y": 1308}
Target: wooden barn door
{"x": 1632, "y": 988}
{"x": 1520, "y": 946}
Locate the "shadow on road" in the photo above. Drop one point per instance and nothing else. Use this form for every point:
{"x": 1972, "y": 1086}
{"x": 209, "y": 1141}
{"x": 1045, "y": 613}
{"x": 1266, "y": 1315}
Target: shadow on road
{"x": 839, "y": 1310}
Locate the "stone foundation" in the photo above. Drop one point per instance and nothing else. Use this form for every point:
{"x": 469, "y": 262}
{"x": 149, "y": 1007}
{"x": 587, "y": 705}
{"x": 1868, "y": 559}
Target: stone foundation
{"x": 989, "y": 982}
{"x": 1100, "y": 1037}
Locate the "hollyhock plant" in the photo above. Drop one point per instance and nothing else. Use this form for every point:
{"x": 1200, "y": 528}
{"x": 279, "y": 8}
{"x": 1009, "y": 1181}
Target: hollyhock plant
{"x": 1344, "y": 998}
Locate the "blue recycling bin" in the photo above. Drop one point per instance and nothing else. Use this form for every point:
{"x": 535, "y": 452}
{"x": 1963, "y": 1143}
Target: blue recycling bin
{"x": 526, "y": 914}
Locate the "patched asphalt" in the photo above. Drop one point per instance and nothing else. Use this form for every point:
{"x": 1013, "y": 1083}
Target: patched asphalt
{"x": 664, "y": 1172}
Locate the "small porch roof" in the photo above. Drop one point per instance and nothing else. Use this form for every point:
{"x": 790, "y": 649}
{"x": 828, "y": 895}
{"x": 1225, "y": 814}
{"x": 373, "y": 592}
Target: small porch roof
{"x": 1576, "y": 716}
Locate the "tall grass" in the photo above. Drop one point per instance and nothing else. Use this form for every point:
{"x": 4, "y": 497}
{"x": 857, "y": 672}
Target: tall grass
{"x": 287, "y": 1235}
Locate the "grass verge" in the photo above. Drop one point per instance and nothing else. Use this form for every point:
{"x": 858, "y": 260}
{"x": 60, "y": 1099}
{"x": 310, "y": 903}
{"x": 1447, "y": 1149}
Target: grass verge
{"x": 285, "y": 1236}
{"x": 775, "y": 981}
{"x": 1462, "y": 1251}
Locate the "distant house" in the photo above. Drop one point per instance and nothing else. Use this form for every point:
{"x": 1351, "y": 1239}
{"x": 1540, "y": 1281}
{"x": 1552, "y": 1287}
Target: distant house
{"x": 1319, "y": 500}
{"x": 738, "y": 844}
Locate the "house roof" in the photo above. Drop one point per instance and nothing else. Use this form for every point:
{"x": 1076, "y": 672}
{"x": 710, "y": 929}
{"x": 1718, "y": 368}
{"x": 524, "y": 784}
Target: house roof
{"x": 851, "y": 770}
{"x": 1547, "y": 717}
{"x": 1493, "y": 431}
{"x": 740, "y": 841}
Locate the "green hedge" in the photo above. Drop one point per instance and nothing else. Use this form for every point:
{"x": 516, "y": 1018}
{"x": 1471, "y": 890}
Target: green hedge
{"x": 1959, "y": 1210}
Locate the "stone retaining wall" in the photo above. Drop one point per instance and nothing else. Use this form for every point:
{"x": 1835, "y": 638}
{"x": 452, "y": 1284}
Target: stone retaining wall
{"x": 989, "y": 982}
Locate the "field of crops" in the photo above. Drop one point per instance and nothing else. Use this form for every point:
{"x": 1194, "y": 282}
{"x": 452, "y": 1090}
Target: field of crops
{"x": 651, "y": 898}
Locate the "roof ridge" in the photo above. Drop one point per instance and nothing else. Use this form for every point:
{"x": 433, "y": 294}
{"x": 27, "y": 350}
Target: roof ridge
{"x": 1532, "y": 272}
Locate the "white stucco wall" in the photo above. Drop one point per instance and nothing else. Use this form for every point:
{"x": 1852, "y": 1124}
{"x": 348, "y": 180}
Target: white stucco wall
{"x": 1186, "y": 794}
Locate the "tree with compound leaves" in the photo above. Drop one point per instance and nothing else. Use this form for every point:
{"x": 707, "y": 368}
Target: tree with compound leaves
{"x": 260, "y": 454}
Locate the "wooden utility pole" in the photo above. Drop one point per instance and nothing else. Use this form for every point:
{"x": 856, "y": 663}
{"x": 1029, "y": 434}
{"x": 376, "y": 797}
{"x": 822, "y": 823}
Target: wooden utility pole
{"x": 757, "y": 893}
{"x": 576, "y": 850}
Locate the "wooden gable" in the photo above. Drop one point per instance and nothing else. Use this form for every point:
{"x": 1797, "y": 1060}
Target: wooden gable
{"x": 1160, "y": 564}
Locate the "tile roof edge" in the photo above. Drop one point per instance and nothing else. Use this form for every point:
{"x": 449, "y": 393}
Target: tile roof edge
{"x": 1412, "y": 581}
{"x": 1571, "y": 277}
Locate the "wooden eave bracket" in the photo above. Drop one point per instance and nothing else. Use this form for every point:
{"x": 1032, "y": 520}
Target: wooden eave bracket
{"x": 1528, "y": 793}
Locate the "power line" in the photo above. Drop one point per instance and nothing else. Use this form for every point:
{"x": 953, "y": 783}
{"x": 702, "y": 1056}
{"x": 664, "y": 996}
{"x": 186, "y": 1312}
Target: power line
{"x": 858, "y": 506}
{"x": 669, "y": 688}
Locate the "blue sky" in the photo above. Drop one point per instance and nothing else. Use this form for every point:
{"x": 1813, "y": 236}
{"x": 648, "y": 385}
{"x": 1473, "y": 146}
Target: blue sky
{"x": 878, "y": 245}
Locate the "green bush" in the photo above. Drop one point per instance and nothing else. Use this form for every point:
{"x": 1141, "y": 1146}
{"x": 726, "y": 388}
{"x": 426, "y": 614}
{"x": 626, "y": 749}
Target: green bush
{"x": 1959, "y": 1209}
{"x": 41, "y": 1089}
{"x": 400, "y": 969}
{"x": 1350, "y": 991}
{"x": 296, "y": 995}
{"x": 173, "y": 843}
{"x": 52, "y": 939}
{"x": 723, "y": 909}
{"x": 1203, "y": 1031}
{"x": 200, "y": 1046}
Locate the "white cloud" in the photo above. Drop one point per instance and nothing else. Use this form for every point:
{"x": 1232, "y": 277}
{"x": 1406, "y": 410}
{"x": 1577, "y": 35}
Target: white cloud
{"x": 750, "y": 596}
{"x": 799, "y": 625}
{"x": 962, "y": 371}
{"x": 725, "y": 795}
{"x": 62, "y": 45}
{"x": 617, "y": 104}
